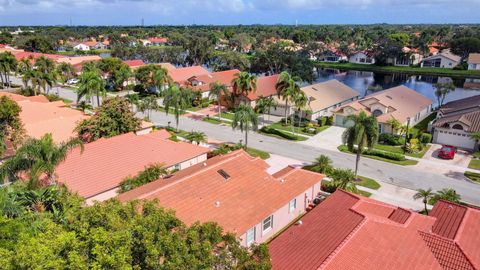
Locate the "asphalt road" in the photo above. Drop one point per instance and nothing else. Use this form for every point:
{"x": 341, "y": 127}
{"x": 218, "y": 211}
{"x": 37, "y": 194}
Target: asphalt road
{"x": 402, "y": 176}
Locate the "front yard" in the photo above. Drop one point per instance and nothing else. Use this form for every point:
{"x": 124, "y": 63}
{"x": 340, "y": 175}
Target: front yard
{"x": 475, "y": 162}
{"x": 399, "y": 150}
{"x": 473, "y": 176}
{"x": 390, "y": 157}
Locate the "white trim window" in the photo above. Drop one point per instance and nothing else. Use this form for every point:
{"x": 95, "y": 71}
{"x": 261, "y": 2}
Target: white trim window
{"x": 267, "y": 224}
{"x": 292, "y": 205}
{"x": 250, "y": 236}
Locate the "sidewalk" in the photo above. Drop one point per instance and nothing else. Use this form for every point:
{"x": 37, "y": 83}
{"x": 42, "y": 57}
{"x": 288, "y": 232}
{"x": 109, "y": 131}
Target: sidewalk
{"x": 395, "y": 195}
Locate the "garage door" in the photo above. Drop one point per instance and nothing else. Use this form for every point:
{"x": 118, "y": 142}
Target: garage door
{"x": 455, "y": 139}
{"x": 339, "y": 121}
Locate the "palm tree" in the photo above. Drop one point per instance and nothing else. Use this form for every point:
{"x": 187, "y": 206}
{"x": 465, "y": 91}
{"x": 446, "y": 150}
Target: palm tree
{"x": 264, "y": 104}
{"x": 148, "y": 104}
{"x": 120, "y": 76}
{"x": 286, "y": 89}
{"x": 216, "y": 91}
{"x": 160, "y": 78}
{"x": 447, "y": 194}
{"x": 245, "y": 119}
{"x": 442, "y": 90}
{"x": 65, "y": 71}
{"x": 343, "y": 179}
{"x": 363, "y": 132}
{"x": 26, "y": 70}
{"x": 91, "y": 84}
{"x": 425, "y": 194}
{"x": 46, "y": 74}
{"x": 243, "y": 83}
{"x": 300, "y": 100}
{"x": 394, "y": 124}
{"x": 37, "y": 157}
{"x": 178, "y": 100}
{"x": 41, "y": 200}
{"x": 8, "y": 63}
{"x": 133, "y": 99}
{"x": 197, "y": 137}
{"x": 322, "y": 164}
{"x": 476, "y": 137}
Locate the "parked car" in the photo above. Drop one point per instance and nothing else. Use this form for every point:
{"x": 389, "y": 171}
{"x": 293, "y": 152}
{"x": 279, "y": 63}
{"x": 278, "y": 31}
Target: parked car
{"x": 73, "y": 81}
{"x": 447, "y": 152}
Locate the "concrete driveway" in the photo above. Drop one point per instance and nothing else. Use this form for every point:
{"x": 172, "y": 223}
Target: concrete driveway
{"x": 330, "y": 138}
{"x": 278, "y": 162}
{"x": 462, "y": 158}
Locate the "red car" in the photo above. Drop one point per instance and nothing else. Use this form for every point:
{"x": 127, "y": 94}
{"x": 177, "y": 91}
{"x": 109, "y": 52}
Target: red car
{"x": 447, "y": 152}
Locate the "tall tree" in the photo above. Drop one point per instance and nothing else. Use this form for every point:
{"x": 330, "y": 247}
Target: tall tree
{"x": 287, "y": 89}
{"x": 442, "y": 90}
{"x": 91, "y": 84}
{"x": 45, "y": 73}
{"x": 246, "y": 119}
{"x": 8, "y": 64}
{"x": 37, "y": 157}
{"x": 196, "y": 137}
{"x": 25, "y": 68}
{"x": 11, "y": 127}
{"x": 300, "y": 100}
{"x": 264, "y": 105}
{"x": 242, "y": 84}
{"x": 322, "y": 164}
{"x": 363, "y": 133}
{"x": 447, "y": 194}
{"x": 217, "y": 90}
{"x": 65, "y": 71}
{"x": 178, "y": 100}
{"x": 147, "y": 104}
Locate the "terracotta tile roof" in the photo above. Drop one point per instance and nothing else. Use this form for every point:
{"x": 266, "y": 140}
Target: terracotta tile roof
{"x": 181, "y": 75}
{"x": 466, "y": 111}
{"x": 105, "y": 163}
{"x": 158, "y": 40}
{"x": 20, "y": 55}
{"x": 223, "y": 77}
{"x": 265, "y": 87}
{"x": 326, "y": 94}
{"x": 402, "y": 102}
{"x": 385, "y": 237}
{"x": 79, "y": 59}
{"x": 167, "y": 66}
{"x": 474, "y": 58}
{"x": 236, "y": 203}
{"x": 134, "y": 63}
{"x": 40, "y": 117}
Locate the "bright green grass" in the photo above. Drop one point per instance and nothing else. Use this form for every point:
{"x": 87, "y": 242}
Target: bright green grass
{"x": 258, "y": 153}
{"x": 474, "y": 164}
{"x": 473, "y": 176}
{"x": 407, "y": 162}
{"x": 212, "y": 120}
{"x": 299, "y": 138}
{"x": 364, "y": 193}
{"x": 368, "y": 183}
{"x": 399, "y": 150}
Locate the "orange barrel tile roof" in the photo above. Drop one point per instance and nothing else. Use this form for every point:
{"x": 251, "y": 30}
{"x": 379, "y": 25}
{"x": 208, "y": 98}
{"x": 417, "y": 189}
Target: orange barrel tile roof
{"x": 351, "y": 232}
{"x": 181, "y": 75}
{"x": 134, "y": 63}
{"x": 223, "y": 77}
{"x": 105, "y": 163}
{"x": 265, "y": 87}
{"x": 238, "y": 202}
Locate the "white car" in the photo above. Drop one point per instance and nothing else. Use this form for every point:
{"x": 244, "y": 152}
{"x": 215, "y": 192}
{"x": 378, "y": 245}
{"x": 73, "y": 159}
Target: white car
{"x": 73, "y": 81}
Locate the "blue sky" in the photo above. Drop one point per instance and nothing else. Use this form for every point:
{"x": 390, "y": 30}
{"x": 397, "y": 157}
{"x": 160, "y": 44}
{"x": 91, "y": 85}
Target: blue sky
{"x": 179, "y": 12}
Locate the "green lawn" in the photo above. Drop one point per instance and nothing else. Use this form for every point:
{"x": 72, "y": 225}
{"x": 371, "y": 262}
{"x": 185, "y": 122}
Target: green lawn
{"x": 407, "y": 162}
{"x": 368, "y": 183}
{"x": 212, "y": 120}
{"x": 299, "y": 138}
{"x": 474, "y": 164}
{"x": 226, "y": 115}
{"x": 405, "y": 70}
{"x": 364, "y": 193}
{"x": 473, "y": 176}
{"x": 258, "y": 153}
{"x": 399, "y": 150}
{"x": 288, "y": 128}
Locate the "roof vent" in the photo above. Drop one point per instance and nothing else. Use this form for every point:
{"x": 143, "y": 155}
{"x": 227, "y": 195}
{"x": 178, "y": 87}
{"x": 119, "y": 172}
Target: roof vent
{"x": 224, "y": 174}
{"x": 204, "y": 164}
{"x": 217, "y": 204}
{"x": 282, "y": 180}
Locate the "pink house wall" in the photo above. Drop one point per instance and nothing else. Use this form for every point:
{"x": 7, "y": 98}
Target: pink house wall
{"x": 282, "y": 217}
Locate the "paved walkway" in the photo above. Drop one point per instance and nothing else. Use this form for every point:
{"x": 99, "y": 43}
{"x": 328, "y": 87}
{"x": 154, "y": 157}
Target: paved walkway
{"x": 395, "y": 195}
{"x": 330, "y": 138}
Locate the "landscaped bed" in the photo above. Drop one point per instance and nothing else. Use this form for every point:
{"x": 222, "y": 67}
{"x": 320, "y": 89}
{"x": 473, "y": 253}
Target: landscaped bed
{"x": 474, "y": 164}
{"x": 399, "y": 150}
{"x": 473, "y": 176}
{"x": 382, "y": 156}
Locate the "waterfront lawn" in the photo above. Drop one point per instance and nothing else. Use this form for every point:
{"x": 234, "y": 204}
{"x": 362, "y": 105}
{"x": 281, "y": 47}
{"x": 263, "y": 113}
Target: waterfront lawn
{"x": 406, "y": 70}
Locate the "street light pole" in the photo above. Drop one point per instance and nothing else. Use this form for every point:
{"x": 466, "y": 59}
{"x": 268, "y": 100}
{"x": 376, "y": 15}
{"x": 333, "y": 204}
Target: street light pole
{"x": 406, "y": 136}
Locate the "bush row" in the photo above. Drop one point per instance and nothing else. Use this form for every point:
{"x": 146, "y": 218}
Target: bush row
{"x": 277, "y": 132}
{"x": 382, "y": 154}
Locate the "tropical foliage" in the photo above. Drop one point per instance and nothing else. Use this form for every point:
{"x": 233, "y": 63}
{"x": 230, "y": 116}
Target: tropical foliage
{"x": 245, "y": 119}
{"x": 11, "y": 127}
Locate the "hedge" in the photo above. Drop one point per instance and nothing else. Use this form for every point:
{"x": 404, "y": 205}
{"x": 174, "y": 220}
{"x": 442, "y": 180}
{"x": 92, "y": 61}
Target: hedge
{"x": 387, "y": 155}
{"x": 277, "y": 132}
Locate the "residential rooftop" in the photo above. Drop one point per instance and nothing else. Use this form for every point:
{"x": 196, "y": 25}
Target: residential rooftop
{"x": 325, "y": 94}
{"x": 349, "y": 231}
{"x": 265, "y": 87}
{"x": 181, "y": 75}
{"x": 474, "y": 58}
{"x": 233, "y": 190}
{"x": 222, "y": 77}
{"x": 465, "y": 111}
{"x": 105, "y": 163}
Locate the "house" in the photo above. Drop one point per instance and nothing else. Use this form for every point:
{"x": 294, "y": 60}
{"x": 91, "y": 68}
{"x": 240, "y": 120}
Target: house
{"x": 400, "y": 103}
{"x": 408, "y": 57}
{"x": 181, "y": 75}
{"x": 265, "y": 88}
{"x": 351, "y": 232}
{"x": 75, "y": 60}
{"x": 146, "y": 42}
{"x": 84, "y": 46}
{"x": 333, "y": 56}
{"x": 134, "y": 64}
{"x": 202, "y": 82}
{"x": 325, "y": 96}
{"x": 33, "y": 56}
{"x": 39, "y": 117}
{"x": 97, "y": 173}
{"x": 455, "y": 122}
{"x": 444, "y": 59}
{"x": 362, "y": 57}
{"x": 474, "y": 61}
{"x": 235, "y": 191}
{"x": 156, "y": 41}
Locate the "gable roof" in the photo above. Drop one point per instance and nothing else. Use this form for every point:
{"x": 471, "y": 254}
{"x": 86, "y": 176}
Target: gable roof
{"x": 265, "y": 87}
{"x": 236, "y": 202}
{"x": 33, "y": 55}
{"x": 445, "y": 53}
{"x": 223, "y": 77}
{"x": 181, "y": 75}
{"x": 402, "y": 101}
{"x": 158, "y": 40}
{"x": 326, "y": 94}
{"x": 134, "y": 63}
{"x": 474, "y": 58}
{"x": 79, "y": 59}
{"x": 39, "y": 117}
{"x": 350, "y": 232}
{"x": 466, "y": 111}
{"x": 105, "y": 163}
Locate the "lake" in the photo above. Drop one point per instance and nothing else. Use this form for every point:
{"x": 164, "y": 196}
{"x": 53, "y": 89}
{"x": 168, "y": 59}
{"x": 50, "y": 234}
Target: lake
{"x": 361, "y": 80}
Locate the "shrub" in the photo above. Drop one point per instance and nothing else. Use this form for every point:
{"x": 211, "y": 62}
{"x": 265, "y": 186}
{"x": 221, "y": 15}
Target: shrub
{"x": 383, "y": 154}
{"x": 277, "y": 132}
{"x": 150, "y": 174}
{"x": 426, "y": 138}
{"x": 391, "y": 139}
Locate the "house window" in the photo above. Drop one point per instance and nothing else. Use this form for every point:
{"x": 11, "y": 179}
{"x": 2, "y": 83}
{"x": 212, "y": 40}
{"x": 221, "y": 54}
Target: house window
{"x": 292, "y": 205}
{"x": 457, "y": 126}
{"x": 250, "y": 236}
{"x": 267, "y": 224}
